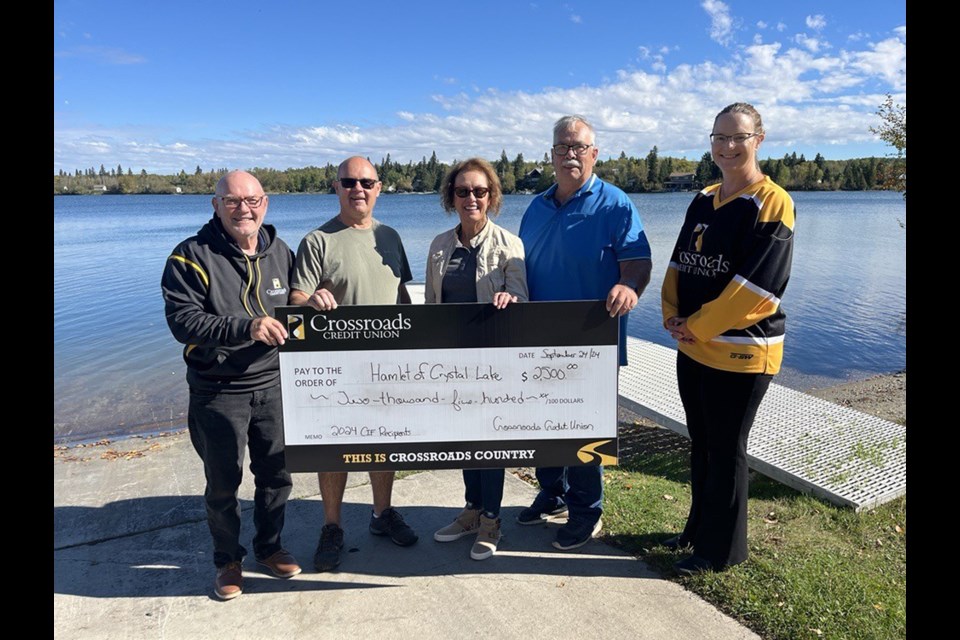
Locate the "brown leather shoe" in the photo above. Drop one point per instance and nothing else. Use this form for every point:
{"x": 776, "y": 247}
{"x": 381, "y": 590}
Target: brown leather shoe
{"x": 229, "y": 583}
{"x": 281, "y": 564}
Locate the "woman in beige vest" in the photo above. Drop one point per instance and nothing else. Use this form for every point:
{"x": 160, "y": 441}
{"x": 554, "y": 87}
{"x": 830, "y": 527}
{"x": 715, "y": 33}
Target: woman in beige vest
{"x": 476, "y": 261}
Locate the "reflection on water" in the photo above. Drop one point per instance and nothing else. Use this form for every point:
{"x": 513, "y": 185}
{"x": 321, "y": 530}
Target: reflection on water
{"x": 118, "y": 370}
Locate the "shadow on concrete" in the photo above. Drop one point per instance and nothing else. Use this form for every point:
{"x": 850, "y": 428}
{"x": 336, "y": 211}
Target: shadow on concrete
{"x": 176, "y": 560}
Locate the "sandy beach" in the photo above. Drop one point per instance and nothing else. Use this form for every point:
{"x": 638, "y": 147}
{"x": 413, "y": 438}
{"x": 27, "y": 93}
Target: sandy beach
{"x": 883, "y": 396}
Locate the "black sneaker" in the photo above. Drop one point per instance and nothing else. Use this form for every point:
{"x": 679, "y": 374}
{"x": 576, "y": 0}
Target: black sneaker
{"x": 677, "y": 543}
{"x": 542, "y": 507}
{"x": 390, "y": 523}
{"x": 576, "y": 533}
{"x": 694, "y": 565}
{"x": 327, "y": 555}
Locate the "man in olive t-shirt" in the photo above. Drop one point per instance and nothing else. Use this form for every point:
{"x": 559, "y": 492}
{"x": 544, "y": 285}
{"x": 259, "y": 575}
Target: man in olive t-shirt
{"x": 353, "y": 259}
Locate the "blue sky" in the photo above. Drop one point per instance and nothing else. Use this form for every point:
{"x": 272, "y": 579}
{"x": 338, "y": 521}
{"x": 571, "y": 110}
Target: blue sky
{"x": 165, "y": 86}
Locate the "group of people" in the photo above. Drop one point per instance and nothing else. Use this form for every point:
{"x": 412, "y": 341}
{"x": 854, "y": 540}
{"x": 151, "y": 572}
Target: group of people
{"x": 581, "y": 239}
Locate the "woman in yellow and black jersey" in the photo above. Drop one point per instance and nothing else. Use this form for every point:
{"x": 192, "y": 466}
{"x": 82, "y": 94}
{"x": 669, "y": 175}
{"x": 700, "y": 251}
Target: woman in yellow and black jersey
{"x": 721, "y": 302}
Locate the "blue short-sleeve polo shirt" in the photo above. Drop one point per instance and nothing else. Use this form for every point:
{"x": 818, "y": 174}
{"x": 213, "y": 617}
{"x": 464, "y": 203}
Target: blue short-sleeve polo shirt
{"x": 574, "y": 250}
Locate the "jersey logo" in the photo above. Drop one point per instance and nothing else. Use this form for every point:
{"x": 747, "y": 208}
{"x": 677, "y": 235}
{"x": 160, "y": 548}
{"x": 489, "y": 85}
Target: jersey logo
{"x": 696, "y": 238}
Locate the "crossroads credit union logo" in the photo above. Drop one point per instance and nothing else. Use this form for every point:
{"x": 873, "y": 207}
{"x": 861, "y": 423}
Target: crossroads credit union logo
{"x": 588, "y": 453}
{"x": 295, "y": 326}
{"x": 359, "y": 328}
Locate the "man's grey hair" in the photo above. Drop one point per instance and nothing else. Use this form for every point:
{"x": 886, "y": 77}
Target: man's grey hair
{"x": 567, "y": 122}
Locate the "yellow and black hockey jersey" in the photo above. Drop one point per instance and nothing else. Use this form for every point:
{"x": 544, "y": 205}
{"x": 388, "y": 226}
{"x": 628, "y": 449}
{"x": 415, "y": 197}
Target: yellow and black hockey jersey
{"x": 727, "y": 273}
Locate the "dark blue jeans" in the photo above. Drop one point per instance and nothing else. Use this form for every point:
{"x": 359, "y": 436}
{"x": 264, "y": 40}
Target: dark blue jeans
{"x": 221, "y": 426}
{"x": 484, "y": 489}
{"x": 580, "y": 487}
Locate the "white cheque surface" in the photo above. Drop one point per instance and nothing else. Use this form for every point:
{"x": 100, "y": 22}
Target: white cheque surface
{"x": 451, "y": 395}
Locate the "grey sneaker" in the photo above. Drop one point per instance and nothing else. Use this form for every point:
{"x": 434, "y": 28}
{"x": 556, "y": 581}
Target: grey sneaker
{"x": 391, "y": 524}
{"x": 327, "y": 555}
{"x": 542, "y": 509}
{"x": 466, "y": 523}
{"x": 576, "y": 533}
{"x": 487, "y": 538}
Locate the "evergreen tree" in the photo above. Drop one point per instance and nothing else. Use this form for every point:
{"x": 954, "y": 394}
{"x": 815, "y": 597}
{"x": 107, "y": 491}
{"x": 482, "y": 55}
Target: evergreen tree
{"x": 666, "y": 168}
{"x": 519, "y": 168}
{"x": 705, "y": 169}
{"x": 653, "y": 168}
{"x": 503, "y": 164}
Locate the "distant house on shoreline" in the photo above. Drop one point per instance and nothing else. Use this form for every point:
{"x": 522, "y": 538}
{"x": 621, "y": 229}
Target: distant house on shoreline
{"x": 681, "y": 182}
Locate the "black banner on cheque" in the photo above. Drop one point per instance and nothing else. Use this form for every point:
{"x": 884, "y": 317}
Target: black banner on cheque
{"x": 449, "y": 386}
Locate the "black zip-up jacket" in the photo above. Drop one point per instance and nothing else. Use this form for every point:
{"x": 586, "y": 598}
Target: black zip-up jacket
{"x": 212, "y": 292}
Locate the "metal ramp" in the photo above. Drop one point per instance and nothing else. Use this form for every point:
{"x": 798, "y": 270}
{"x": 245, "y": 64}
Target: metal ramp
{"x": 845, "y": 456}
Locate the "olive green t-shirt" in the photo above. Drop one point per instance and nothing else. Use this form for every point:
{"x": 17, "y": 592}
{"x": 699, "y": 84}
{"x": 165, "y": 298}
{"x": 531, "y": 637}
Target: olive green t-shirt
{"x": 360, "y": 266}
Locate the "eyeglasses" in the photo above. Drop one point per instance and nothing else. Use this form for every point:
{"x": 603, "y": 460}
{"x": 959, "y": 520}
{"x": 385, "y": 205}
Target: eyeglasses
{"x": 578, "y": 149}
{"x": 233, "y": 202}
{"x": 737, "y": 138}
{"x": 478, "y": 192}
{"x": 350, "y": 183}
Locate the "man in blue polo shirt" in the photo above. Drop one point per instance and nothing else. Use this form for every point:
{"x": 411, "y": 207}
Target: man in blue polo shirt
{"x": 584, "y": 241}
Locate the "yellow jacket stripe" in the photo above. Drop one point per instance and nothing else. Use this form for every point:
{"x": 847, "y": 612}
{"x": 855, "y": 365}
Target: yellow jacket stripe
{"x": 196, "y": 267}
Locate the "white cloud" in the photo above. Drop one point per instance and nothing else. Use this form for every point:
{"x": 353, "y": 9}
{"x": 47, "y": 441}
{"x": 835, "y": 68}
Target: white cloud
{"x": 576, "y": 19}
{"x": 807, "y": 97}
{"x": 856, "y": 37}
{"x": 886, "y": 59}
{"x": 656, "y": 59}
{"x": 817, "y": 22}
{"x": 901, "y": 31}
{"x": 781, "y": 26}
{"x": 757, "y": 38}
{"x": 105, "y": 55}
{"x": 721, "y": 23}
{"x": 812, "y": 43}
{"x": 761, "y": 24}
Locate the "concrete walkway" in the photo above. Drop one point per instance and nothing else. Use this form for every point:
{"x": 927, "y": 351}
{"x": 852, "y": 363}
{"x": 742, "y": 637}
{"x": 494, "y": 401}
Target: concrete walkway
{"x": 132, "y": 559}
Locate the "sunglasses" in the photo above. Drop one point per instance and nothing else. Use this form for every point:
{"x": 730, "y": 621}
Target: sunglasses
{"x": 350, "y": 183}
{"x": 478, "y": 192}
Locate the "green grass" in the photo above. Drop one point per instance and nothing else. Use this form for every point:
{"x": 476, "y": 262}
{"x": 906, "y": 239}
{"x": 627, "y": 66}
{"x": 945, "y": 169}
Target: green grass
{"x": 815, "y": 570}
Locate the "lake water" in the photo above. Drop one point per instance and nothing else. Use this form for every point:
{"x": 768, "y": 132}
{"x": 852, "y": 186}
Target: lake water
{"x": 117, "y": 369}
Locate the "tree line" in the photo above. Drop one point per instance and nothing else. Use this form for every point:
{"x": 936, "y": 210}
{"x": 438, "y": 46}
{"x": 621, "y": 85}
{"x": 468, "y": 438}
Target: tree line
{"x": 650, "y": 174}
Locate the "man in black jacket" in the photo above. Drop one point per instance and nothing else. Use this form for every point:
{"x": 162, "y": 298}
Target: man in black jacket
{"x": 220, "y": 288}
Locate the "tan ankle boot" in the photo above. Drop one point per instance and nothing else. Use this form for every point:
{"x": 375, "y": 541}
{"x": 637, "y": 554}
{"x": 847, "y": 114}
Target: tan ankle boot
{"x": 466, "y": 523}
{"x": 488, "y": 537}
